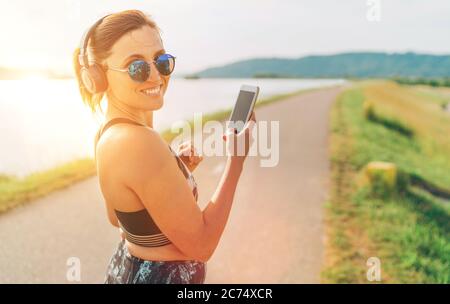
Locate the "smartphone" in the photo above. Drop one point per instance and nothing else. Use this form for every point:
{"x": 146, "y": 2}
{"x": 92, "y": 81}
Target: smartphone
{"x": 244, "y": 107}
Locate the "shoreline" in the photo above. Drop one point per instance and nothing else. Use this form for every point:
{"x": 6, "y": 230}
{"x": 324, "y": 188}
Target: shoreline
{"x": 17, "y": 191}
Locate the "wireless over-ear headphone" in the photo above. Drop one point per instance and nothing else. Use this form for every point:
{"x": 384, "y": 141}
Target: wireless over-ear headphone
{"x": 92, "y": 76}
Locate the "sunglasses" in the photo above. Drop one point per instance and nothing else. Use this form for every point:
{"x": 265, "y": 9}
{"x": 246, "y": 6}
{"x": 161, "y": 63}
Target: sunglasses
{"x": 139, "y": 70}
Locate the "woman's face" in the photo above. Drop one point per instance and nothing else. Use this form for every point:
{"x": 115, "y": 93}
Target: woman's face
{"x": 143, "y": 43}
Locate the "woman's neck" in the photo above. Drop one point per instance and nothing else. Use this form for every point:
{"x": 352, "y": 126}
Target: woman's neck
{"x": 115, "y": 110}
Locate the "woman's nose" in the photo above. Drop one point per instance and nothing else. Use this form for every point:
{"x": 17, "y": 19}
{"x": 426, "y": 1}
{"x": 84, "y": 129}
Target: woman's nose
{"x": 154, "y": 73}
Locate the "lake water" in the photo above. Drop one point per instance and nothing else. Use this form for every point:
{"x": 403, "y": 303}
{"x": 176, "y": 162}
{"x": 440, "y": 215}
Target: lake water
{"x": 44, "y": 123}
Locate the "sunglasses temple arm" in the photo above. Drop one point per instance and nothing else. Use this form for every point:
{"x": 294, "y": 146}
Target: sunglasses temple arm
{"x": 118, "y": 70}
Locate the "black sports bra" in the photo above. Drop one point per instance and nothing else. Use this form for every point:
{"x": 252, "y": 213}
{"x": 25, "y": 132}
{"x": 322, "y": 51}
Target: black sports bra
{"x": 138, "y": 226}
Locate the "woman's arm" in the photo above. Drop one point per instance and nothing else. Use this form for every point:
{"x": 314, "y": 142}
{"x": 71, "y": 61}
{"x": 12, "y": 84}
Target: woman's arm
{"x": 216, "y": 213}
{"x": 150, "y": 170}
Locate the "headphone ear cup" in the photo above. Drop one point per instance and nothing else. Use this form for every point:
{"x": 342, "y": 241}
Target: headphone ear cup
{"x": 87, "y": 80}
{"x": 94, "y": 79}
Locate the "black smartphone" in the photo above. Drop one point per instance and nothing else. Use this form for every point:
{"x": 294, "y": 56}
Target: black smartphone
{"x": 244, "y": 107}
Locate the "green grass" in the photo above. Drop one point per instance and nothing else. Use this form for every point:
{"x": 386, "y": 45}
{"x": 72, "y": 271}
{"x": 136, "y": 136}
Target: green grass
{"x": 409, "y": 230}
{"x": 15, "y": 191}
{"x": 388, "y": 122}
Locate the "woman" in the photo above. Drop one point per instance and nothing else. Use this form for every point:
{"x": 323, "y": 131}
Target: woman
{"x": 149, "y": 190}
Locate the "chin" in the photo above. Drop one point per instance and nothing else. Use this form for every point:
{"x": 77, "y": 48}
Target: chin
{"x": 151, "y": 104}
{"x": 157, "y": 104}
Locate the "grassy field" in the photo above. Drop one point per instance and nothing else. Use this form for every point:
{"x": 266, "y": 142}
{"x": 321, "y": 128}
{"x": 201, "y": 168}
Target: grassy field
{"x": 407, "y": 229}
{"x": 15, "y": 191}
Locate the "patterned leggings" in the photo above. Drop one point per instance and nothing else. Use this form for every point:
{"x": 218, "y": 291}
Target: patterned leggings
{"x": 127, "y": 269}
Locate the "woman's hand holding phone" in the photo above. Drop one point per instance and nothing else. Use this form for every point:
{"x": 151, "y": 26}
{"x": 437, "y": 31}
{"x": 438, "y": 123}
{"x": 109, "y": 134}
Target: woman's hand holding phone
{"x": 238, "y": 144}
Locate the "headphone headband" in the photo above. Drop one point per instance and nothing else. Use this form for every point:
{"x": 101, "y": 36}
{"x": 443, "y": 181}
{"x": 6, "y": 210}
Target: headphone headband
{"x": 92, "y": 77}
{"x": 82, "y": 58}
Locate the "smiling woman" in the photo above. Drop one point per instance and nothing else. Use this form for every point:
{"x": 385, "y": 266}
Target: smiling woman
{"x": 112, "y": 40}
{"x": 149, "y": 190}
{"x": 131, "y": 99}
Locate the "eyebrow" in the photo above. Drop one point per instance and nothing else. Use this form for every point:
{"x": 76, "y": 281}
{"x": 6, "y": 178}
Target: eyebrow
{"x": 162, "y": 51}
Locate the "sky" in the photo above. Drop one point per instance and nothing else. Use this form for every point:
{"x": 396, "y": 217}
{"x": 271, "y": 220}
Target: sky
{"x": 202, "y": 34}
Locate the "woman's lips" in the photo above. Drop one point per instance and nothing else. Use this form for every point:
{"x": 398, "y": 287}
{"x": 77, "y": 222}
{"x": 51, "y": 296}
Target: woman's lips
{"x": 154, "y": 91}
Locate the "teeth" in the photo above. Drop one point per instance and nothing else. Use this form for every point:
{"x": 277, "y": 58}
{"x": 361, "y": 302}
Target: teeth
{"x": 152, "y": 91}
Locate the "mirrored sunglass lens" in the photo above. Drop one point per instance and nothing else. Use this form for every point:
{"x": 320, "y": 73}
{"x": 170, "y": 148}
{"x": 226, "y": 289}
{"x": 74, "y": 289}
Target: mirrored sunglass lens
{"x": 139, "y": 70}
{"x": 165, "y": 64}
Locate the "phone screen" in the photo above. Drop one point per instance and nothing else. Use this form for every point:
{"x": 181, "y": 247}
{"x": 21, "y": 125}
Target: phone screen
{"x": 241, "y": 109}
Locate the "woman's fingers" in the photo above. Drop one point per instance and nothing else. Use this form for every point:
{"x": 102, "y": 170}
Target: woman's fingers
{"x": 253, "y": 116}
{"x": 185, "y": 148}
{"x": 249, "y": 126}
{"x": 195, "y": 157}
{"x": 199, "y": 159}
{"x": 228, "y": 133}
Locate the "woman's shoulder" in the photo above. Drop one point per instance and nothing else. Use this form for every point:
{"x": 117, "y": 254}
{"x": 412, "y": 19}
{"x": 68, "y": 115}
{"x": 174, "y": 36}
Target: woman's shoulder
{"x": 138, "y": 157}
{"x": 127, "y": 144}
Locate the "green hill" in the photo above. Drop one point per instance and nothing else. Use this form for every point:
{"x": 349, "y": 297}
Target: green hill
{"x": 368, "y": 64}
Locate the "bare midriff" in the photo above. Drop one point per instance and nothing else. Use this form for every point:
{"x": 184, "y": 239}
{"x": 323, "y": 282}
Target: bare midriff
{"x": 162, "y": 253}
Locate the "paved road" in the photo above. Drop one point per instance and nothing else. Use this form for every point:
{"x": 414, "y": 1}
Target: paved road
{"x": 274, "y": 234}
